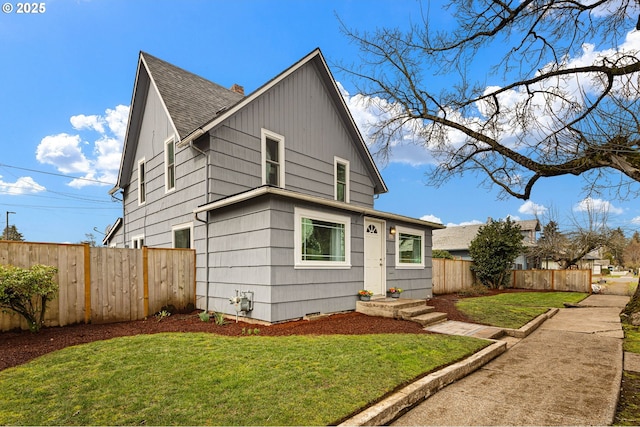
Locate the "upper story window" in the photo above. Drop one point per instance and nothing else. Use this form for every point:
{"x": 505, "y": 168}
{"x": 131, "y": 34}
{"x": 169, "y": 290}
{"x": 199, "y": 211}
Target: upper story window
{"x": 272, "y": 159}
{"x": 341, "y": 178}
{"x": 182, "y": 236}
{"x": 409, "y": 248}
{"x": 142, "y": 183}
{"x": 170, "y": 164}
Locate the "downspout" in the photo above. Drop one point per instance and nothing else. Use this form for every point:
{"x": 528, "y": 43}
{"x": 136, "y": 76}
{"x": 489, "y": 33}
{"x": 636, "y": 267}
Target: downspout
{"x": 205, "y": 221}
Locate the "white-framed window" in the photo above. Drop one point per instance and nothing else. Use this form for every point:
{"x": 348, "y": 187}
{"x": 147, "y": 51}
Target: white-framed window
{"x": 182, "y": 236}
{"x": 321, "y": 240}
{"x": 409, "y": 248}
{"x": 341, "y": 179}
{"x": 137, "y": 242}
{"x": 272, "y": 158}
{"x": 142, "y": 182}
{"x": 170, "y": 164}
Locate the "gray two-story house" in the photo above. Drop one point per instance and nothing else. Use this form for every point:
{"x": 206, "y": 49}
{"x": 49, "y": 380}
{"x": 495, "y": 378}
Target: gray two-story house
{"x": 274, "y": 190}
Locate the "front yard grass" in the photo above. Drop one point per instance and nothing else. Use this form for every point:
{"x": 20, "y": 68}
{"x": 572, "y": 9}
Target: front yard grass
{"x": 205, "y": 379}
{"x": 514, "y": 310}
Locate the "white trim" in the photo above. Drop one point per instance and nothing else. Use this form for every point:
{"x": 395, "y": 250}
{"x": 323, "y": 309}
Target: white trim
{"x": 260, "y": 191}
{"x": 186, "y": 140}
{"x": 382, "y": 233}
{"x": 187, "y": 225}
{"x": 140, "y": 201}
{"x": 300, "y": 213}
{"x": 264, "y": 134}
{"x": 168, "y": 141}
{"x": 347, "y": 174}
{"x": 136, "y": 239}
{"x": 411, "y": 232}
{"x": 155, "y": 87}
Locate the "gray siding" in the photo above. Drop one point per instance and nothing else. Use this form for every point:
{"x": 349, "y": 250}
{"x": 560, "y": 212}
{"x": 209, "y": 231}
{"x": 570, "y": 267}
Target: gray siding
{"x": 252, "y": 249}
{"x": 162, "y": 210}
{"x": 299, "y": 109}
{"x": 416, "y": 282}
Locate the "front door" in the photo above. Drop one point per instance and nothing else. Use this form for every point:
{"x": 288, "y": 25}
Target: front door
{"x": 374, "y": 255}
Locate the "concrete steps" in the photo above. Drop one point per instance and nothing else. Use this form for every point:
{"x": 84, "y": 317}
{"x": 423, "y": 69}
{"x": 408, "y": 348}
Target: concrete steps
{"x": 400, "y": 308}
{"x": 429, "y": 319}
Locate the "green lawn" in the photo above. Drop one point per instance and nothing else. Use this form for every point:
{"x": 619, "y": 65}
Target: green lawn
{"x": 514, "y": 310}
{"x": 199, "y": 379}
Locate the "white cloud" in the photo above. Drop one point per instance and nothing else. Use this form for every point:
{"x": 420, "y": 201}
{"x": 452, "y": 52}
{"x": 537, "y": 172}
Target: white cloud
{"x": 597, "y": 205}
{"x": 636, "y": 220}
{"x": 531, "y": 208}
{"x": 64, "y": 152}
{"x": 431, "y": 218}
{"x": 407, "y": 144}
{"x": 23, "y": 185}
{"x": 462, "y": 224}
{"x": 97, "y": 161}
{"x": 81, "y": 122}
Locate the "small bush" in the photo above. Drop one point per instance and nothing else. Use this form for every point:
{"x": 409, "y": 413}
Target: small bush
{"x": 204, "y": 316}
{"x": 27, "y": 292}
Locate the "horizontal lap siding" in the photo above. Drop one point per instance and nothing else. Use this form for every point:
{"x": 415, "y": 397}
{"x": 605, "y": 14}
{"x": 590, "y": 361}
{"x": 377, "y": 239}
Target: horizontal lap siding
{"x": 297, "y": 292}
{"x": 239, "y": 256}
{"x": 415, "y": 282}
{"x": 162, "y": 209}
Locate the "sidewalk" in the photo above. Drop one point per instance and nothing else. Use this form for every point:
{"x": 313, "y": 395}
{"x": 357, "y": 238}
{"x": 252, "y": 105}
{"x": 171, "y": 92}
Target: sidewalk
{"x": 567, "y": 372}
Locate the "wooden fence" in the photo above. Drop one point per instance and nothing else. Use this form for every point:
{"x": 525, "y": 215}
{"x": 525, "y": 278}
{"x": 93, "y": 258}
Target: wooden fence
{"x": 451, "y": 276}
{"x": 103, "y": 285}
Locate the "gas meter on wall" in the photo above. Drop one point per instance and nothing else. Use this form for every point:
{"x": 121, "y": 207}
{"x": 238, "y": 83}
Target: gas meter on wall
{"x": 243, "y": 301}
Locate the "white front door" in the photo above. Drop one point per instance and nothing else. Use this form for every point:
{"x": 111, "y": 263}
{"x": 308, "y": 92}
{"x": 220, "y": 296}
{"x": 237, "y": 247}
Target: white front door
{"x": 374, "y": 255}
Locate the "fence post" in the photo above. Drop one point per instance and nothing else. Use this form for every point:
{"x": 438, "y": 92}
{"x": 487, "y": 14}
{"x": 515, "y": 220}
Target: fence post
{"x": 87, "y": 283}
{"x": 145, "y": 279}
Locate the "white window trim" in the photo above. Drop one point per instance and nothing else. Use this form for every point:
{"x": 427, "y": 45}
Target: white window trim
{"x": 415, "y": 232}
{"x": 136, "y": 238}
{"x": 168, "y": 141}
{"x": 184, "y": 226}
{"x": 140, "y": 202}
{"x": 347, "y": 171}
{"x": 264, "y": 133}
{"x": 300, "y": 213}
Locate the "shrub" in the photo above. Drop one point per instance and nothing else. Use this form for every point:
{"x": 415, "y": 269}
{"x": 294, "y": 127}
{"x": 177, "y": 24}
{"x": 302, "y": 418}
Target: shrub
{"x": 439, "y": 253}
{"x": 27, "y": 292}
{"x": 494, "y": 250}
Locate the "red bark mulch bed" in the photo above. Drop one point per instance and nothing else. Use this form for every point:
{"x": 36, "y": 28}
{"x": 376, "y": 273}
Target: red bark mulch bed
{"x": 18, "y": 347}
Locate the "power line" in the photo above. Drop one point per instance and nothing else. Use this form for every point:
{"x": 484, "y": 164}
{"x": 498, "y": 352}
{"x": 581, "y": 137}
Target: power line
{"x": 57, "y": 174}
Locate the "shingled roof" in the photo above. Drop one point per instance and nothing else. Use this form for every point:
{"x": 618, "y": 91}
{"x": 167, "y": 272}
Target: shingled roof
{"x": 190, "y": 99}
{"x": 459, "y": 238}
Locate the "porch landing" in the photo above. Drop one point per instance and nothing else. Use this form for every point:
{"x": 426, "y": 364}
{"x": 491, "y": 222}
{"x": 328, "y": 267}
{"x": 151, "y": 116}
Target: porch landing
{"x": 400, "y": 308}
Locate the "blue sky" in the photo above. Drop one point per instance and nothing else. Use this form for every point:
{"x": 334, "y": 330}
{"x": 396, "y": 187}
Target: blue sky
{"x": 67, "y": 79}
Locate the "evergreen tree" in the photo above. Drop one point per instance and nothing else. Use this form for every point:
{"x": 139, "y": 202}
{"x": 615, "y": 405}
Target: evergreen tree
{"x": 494, "y": 250}
{"x": 13, "y": 234}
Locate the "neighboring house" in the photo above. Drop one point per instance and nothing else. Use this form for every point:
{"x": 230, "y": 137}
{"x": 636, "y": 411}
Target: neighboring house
{"x": 456, "y": 240}
{"x": 273, "y": 190}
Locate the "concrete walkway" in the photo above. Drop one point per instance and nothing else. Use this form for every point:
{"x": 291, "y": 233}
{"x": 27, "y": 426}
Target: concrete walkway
{"x": 567, "y": 372}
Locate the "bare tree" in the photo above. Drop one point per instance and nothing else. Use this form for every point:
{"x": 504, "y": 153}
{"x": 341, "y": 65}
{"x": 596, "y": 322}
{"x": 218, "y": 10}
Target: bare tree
{"x": 551, "y": 105}
{"x": 589, "y": 231}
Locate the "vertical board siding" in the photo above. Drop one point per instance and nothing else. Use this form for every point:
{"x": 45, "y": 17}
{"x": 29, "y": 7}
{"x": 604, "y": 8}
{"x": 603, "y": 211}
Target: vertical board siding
{"x": 116, "y": 283}
{"x": 451, "y": 276}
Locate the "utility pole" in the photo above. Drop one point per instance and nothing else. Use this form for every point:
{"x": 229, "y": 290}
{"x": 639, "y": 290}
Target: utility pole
{"x": 6, "y": 230}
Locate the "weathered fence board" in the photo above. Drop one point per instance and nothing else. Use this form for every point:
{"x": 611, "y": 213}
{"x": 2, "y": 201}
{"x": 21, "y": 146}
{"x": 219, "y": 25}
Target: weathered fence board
{"x": 455, "y": 275}
{"x": 102, "y": 285}
{"x": 451, "y": 275}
